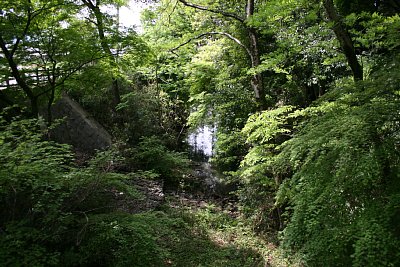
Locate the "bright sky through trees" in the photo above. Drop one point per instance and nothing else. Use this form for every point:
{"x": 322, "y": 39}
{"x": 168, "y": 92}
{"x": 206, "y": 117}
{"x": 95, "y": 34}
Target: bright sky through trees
{"x": 130, "y": 16}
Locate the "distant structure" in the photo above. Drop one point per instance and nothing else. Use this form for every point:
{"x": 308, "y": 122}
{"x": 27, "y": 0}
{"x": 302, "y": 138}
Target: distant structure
{"x": 78, "y": 129}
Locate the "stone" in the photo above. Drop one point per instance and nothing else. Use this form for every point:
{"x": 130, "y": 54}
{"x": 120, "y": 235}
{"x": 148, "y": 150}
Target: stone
{"x": 79, "y": 128}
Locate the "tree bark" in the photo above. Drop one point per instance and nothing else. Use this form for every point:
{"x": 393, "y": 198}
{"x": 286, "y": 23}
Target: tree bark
{"x": 345, "y": 40}
{"x": 257, "y": 80}
{"x": 257, "y": 83}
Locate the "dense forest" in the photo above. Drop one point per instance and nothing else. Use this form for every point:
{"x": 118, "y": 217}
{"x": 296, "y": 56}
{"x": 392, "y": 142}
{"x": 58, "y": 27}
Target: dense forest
{"x": 303, "y": 98}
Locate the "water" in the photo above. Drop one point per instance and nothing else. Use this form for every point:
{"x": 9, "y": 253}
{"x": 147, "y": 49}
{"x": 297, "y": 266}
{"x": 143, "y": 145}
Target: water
{"x": 201, "y": 143}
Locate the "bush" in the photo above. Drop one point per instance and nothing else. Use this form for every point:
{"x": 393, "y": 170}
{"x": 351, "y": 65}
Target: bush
{"x": 152, "y": 155}
{"x": 31, "y": 194}
{"x": 345, "y": 189}
{"x": 123, "y": 240}
{"x": 260, "y": 178}
{"x": 44, "y": 200}
{"x": 335, "y": 166}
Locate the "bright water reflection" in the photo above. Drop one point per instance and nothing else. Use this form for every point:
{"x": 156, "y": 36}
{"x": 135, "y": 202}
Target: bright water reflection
{"x": 201, "y": 144}
{"x": 201, "y": 141}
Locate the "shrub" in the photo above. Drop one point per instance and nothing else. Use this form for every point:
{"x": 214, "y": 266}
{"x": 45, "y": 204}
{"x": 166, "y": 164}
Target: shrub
{"x": 345, "y": 188}
{"x": 44, "y": 200}
{"x": 31, "y": 193}
{"x": 152, "y": 154}
{"x": 336, "y": 168}
{"x": 123, "y": 240}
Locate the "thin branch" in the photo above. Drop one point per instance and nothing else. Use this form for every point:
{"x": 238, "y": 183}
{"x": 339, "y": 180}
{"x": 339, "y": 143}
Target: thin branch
{"x": 47, "y": 7}
{"x": 24, "y": 32}
{"x": 214, "y": 33}
{"x": 173, "y": 9}
{"x": 81, "y": 233}
{"x": 77, "y": 68}
{"x": 216, "y": 11}
{"x": 68, "y": 74}
{"x": 91, "y": 21}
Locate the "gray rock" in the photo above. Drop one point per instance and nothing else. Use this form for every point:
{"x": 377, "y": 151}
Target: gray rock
{"x": 78, "y": 129}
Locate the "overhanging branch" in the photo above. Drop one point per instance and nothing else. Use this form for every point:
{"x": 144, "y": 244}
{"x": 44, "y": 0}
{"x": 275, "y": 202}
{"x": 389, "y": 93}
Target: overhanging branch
{"x": 214, "y": 33}
{"x": 216, "y": 11}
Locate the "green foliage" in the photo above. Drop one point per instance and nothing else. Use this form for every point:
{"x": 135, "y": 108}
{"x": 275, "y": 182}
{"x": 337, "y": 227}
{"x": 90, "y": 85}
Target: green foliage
{"x": 152, "y": 155}
{"x": 150, "y": 111}
{"x": 125, "y": 240}
{"x": 374, "y": 32}
{"x": 302, "y": 60}
{"x": 56, "y": 215}
{"x": 31, "y": 195}
{"x": 47, "y": 45}
{"x": 43, "y": 198}
{"x": 258, "y": 174}
{"x": 345, "y": 190}
{"x": 170, "y": 238}
{"x": 206, "y": 245}
{"x": 230, "y": 149}
{"x": 343, "y": 159}
{"x": 20, "y": 246}
{"x": 98, "y": 188}
{"x": 31, "y": 169}
{"x": 264, "y": 132}
{"x": 322, "y": 163}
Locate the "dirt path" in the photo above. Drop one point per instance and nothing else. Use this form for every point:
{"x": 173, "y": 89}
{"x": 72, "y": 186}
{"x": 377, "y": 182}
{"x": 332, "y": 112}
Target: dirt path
{"x": 211, "y": 210}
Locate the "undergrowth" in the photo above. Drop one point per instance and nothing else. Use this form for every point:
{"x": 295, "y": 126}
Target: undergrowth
{"x": 56, "y": 214}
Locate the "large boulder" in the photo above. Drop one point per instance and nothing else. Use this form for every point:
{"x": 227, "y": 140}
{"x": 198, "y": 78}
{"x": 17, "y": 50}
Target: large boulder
{"x": 78, "y": 128}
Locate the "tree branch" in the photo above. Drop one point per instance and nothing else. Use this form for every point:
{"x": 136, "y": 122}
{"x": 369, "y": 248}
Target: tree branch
{"x": 89, "y": 4}
{"x": 14, "y": 69}
{"x": 78, "y": 68}
{"x": 216, "y": 11}
{"x": 31, "y": 15}
{"x": 214, "y": 33}
{"x": 24, "y": 32}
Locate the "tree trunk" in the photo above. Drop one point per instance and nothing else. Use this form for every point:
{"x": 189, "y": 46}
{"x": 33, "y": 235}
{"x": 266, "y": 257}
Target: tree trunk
{"x": 345, "y": 40}
{"x": 257, "y": 79}
{"x": 49, "y": 104}
{"x": 116, "y": 93}
{"x": 257, "y": 83}
{"x": 95, "y": 8}
{"x": 107, "y": 50}
{"x": 18, "y": 77}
